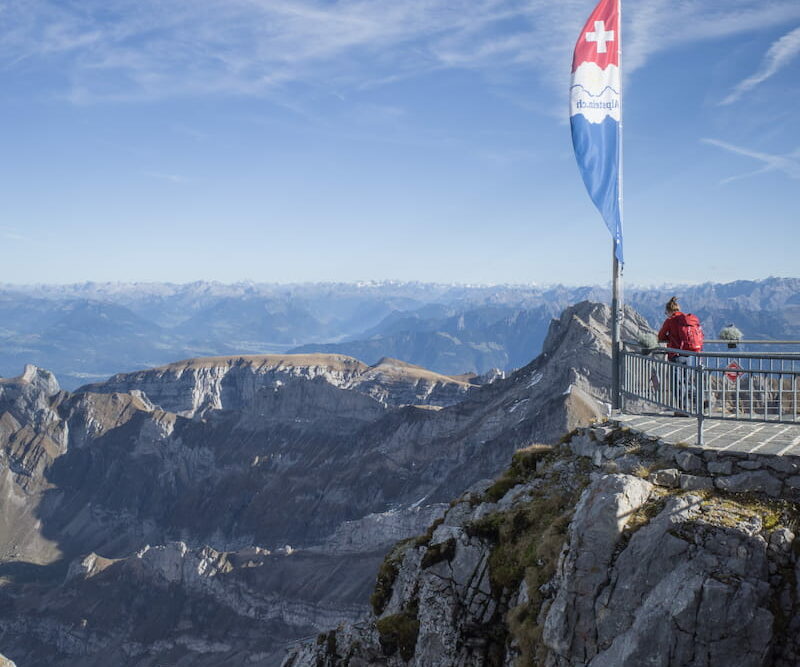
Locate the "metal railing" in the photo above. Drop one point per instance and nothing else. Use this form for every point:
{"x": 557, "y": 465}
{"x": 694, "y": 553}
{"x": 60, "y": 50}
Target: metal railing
{"x": 742, "y": 386}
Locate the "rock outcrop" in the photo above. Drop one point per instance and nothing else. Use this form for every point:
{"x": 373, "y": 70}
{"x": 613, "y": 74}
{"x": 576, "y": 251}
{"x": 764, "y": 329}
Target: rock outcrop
{"x": 195, "y": 386}
{"x": 579, "y": 555}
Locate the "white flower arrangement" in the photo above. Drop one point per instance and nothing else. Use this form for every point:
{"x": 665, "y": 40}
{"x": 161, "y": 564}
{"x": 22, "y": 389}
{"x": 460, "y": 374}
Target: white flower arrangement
{"x": 647, "y": 339}
{"x": 730, "y": 333}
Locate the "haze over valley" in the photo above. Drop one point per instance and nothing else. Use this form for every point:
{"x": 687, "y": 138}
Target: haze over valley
{"x": 87, "y": 332}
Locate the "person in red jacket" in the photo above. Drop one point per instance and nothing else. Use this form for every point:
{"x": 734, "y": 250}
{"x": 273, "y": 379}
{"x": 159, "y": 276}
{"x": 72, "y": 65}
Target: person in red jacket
{"x": 670, "y": 330}
{"x": 681, "y": 331}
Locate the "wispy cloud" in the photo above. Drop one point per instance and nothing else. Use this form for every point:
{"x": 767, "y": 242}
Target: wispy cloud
{"x": 789, "y": 164}
{"x": 169, "y": 178}
{"x": 150, "y": 49}
{"x": 777, "y": 57}
{"x": 11, "y": 234}
{"x": 661, "y": 26}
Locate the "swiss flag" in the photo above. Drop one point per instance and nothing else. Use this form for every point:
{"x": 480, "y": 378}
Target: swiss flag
{"x": 599, "y": 39}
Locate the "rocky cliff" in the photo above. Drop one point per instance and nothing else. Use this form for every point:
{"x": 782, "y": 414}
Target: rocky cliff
{"x": 610, "y": 550}
{"x": 194, "y": 386}
{"x": 248, "y": 497}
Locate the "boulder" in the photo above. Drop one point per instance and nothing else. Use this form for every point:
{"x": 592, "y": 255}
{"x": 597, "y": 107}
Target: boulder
{"x": 755, "y": 482}
{"x": 689, "y": 462}
{"x": 600, "y": 517}
{"x": 669, "y": 477}
{"x": 696, "y": 483}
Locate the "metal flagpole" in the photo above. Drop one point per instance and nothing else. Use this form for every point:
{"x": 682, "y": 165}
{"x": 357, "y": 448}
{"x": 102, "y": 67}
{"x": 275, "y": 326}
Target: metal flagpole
{"x": 616, "y": 327}
{"x": 617, "y": 312}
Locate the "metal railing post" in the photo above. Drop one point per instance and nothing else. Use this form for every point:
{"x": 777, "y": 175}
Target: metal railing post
{"x": 699, "y": 393}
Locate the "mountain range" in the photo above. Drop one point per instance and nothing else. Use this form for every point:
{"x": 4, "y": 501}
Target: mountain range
{"x": 211, "y": 511}
{"x": 88, "y": 332}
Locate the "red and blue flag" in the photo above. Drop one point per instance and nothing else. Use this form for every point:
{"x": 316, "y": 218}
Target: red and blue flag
{"x": 595, "y": 113}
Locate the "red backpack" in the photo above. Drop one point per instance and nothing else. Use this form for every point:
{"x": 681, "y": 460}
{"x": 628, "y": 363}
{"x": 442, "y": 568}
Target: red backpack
{"x": 690, "y": 333}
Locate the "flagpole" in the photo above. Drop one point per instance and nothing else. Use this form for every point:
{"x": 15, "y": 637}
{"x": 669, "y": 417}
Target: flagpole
{"x": 616, "y": 326}
{"x": 617, "y": 312}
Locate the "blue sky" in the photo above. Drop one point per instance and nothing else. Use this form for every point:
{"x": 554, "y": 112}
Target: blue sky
{"x": 369, "y": 139}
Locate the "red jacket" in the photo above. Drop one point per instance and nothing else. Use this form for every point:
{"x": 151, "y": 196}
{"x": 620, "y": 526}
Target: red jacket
{"x": 670, "y": 333}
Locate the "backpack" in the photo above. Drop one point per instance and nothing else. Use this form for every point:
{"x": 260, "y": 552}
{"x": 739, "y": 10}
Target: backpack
{"x": 690, "y": 333}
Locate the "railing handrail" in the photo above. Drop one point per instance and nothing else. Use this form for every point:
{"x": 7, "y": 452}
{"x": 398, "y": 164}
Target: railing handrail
{"x": 725, "y": 369}
{"x": 741, "y": 341}
{"x": 706, "y": 353}
{"x": 752, "y": 341}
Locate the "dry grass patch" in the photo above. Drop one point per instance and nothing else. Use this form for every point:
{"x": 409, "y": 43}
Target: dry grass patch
{"x": 730, "y": 509}
{"x": 399, "y": 632}
{"x": 387, "y": 573}
{"x": 522, "y": 468}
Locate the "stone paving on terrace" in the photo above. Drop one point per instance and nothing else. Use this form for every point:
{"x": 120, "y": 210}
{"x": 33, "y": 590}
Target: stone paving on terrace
{"x": 719, "y": 435}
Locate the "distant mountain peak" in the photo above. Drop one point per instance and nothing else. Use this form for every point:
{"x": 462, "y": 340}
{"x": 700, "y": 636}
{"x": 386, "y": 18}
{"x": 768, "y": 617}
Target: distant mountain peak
{"x": 195, "y": 386}
{"x": 39, "y": 378}
{"x": 334, "y": 362}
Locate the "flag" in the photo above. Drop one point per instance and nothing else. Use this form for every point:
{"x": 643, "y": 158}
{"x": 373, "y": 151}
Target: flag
{"x": 595, "y": 113}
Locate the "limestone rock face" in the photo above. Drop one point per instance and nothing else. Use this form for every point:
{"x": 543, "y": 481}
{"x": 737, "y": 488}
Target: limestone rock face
{"x": 599, "y": 519}
{"x": 684, "y": 587}
{"x": 574, "y": 566}
{"x": 33, "y": 435}
{"x": 374, "y": 531}
{"x": 680, "y": 588}
{"x": 195, "y": 386}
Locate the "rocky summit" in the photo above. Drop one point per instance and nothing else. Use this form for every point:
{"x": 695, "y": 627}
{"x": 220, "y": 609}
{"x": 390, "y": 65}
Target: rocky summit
{"x": 213, "y": 511}
{"x": 194, "y": 386}
{"x": 598, "y": 552}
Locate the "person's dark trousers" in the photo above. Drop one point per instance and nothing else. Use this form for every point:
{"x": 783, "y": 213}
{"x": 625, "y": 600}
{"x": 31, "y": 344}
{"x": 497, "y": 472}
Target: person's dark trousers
{"x": 682, "y": 384}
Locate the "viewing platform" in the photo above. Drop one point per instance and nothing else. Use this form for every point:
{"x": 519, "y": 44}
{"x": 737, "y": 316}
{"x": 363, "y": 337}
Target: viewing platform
{"x": 742, "y": 437}
{"x": 722, "y": 399}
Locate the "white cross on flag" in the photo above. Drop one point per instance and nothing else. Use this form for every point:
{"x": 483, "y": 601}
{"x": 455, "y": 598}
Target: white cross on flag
{"x": 600, "y": 35}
